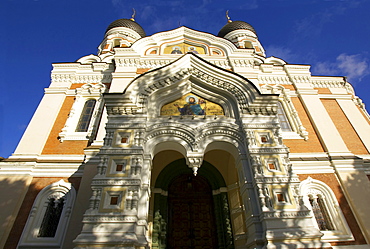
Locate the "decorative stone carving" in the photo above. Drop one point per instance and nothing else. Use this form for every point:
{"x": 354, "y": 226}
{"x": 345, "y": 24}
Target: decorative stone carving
{"x": 195, "y": 163}
{"x": 136, "y": 166}
{"x": 159, "y": 231}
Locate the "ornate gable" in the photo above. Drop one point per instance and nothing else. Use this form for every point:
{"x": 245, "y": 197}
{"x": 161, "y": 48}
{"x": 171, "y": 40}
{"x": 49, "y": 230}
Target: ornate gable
{"x": 191, "y": 74}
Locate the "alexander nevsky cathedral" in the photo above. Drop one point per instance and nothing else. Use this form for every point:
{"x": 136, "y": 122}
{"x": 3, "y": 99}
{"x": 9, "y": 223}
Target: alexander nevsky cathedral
{"x": 188, "y": 140}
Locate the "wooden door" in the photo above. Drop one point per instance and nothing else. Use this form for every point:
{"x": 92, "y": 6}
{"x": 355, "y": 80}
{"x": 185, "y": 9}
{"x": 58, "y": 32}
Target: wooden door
{"x": 191, "y": 214}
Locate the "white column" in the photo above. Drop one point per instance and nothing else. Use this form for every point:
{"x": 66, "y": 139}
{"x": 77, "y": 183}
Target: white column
{"x": 37, "y": 132}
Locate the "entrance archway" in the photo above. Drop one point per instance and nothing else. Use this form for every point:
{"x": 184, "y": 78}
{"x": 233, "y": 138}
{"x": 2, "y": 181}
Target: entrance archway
{"x": 203, "y": 197}
{"x": 191, "y": 221}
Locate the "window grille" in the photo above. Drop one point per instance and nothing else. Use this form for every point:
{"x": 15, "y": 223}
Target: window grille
{"x": 51, "y": 218}
{"x": 321, "y": 213}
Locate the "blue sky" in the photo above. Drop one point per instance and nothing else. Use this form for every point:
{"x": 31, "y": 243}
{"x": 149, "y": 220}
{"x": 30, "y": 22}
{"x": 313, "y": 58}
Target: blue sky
{"x": 332, "y": 36}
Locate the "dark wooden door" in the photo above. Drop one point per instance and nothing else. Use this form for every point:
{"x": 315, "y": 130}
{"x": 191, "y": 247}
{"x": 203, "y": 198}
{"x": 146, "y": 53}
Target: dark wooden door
{"x": 191, "y": 214}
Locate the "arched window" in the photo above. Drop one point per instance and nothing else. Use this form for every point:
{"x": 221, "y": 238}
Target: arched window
{"x": 85, "y": 118}
{"x": 49, "y": 216}
{"x": 327, "y": 215}
{"x": 320, "y": 211}
{"x": 288, "y": 117}
{"x": 86, "y": 111}
{"x": 283, "y": 120}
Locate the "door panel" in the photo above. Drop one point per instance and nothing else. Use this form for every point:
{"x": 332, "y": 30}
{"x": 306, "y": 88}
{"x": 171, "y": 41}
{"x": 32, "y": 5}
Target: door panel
{"x": 191, "y": 214}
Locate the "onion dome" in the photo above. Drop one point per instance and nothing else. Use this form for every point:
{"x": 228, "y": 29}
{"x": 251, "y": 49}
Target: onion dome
{"x": 235, "y": 25}
{"x": 127, "y": 23}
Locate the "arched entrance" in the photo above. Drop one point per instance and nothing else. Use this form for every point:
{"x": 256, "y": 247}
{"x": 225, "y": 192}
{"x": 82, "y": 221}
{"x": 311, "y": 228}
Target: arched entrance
{"x": 191, "y": 220}
{"x": 191, "y": 211}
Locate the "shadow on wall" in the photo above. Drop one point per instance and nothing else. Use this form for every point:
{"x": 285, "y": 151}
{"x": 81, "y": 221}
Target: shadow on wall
{"x": 16, "y": 204}
{"x": 357, "y": 187}
{"x": 15, "y": 209}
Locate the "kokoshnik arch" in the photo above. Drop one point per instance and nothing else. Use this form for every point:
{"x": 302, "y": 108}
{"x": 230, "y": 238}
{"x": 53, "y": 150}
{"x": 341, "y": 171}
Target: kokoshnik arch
{"x": 184, "y": 139}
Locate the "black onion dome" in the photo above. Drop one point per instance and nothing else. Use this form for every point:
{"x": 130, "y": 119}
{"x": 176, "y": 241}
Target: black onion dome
{"x": 235, "y": 25}
{"x": 127, "y": 23}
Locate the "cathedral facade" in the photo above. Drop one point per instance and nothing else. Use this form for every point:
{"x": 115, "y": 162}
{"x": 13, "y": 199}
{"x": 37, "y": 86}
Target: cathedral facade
{"x": 184, "y": 139}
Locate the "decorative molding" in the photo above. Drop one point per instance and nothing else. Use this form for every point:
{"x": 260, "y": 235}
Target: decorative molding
{"x": 120, "y": 151}
{"x": 332, "y": 83}
{"x": 313, "y": 187}
{"x": 88, "y": 79}
{"x": 269, "y": 150}
{"x": 289, "y": 109}
{"x": 358, "y": 102}
{"x": 297, "y": 79}
{"x": 115, "y": 182}
{"x": 285, "y": 214}
{"x": 274, "y": 80}
{"x": 277, "y": 179}
{"x": 243, "y": 63}
{"x": 83, "y": 94}
{"x": 189, "y": 138}
{"x": 221, "y": 63}
{"x": 103, "y": 218}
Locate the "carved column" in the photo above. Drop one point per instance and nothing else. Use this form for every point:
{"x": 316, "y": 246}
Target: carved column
{"x": 274, "y": 214}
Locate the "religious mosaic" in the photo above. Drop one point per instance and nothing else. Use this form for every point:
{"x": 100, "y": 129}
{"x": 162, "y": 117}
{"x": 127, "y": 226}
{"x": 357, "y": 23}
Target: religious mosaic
{"x": 183, "y": 48}
{"x": 191, "y": 104}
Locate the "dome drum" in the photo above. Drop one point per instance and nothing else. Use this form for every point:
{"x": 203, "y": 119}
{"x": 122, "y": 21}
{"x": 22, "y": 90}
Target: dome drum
{"x": 127, "y": 23}
{"x": 235, "y": 25}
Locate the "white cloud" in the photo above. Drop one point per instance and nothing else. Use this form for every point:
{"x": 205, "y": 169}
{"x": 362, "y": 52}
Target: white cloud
{"x": 283, "y": 53}
{"x": 355, "y": 67}
{"x": 325, "y": 68}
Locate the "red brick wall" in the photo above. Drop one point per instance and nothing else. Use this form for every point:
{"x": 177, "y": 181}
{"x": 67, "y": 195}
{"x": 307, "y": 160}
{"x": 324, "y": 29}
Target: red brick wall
{"x": 341, "y": 122}
{"x": 53, "y": 145}
{"x": 313, "y": 143}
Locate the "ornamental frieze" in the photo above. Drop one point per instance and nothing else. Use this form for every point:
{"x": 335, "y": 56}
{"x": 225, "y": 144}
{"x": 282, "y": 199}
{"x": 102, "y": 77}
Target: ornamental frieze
{"x": 243, "y": 63}
{"x": 89, "y": 79}
{"x": 118, "y": 182}
{"x": 275, "y": 179}
{"x": 112, "y": 218}
{"x": 328, "y": 84}
{"x": 189, "y": 138}
{"x": 233, "y": 134}
{"x": 264, "y": 110}
{"x": 169, "y": 125}
{"x": 268, "y": 150}
{"x": 137, "y": 125}
{"x": 120, "y": 151}
{"x": 301, "y": 79}
{"x": 274, "y": 80}
{"x": 218, "y": 124}
{"x": 285, "y": 214}
{"x": 122, "y": 110}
